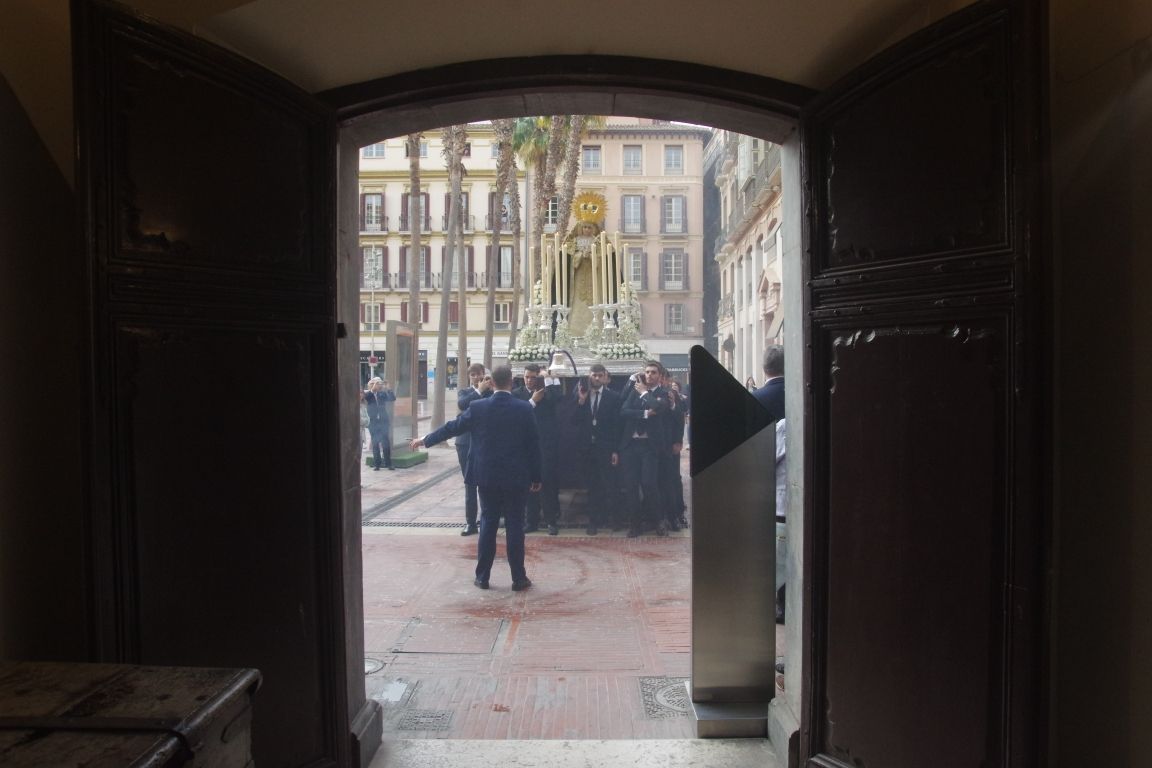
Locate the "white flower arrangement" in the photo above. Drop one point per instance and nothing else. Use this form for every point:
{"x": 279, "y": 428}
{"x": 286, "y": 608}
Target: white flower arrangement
{"x": 621, "y": 351}
{"x": 532, "y": 352}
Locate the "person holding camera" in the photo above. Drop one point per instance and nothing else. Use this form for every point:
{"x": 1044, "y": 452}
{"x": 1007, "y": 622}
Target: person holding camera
{"x": 642, "y": 443}
{"x": 376, "y": 399}
{"x": 544, "y": 395}
{"x": 596, "y": 416}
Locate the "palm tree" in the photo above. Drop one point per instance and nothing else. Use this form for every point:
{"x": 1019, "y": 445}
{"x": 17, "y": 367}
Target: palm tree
{"x": 503, "y": 130}
{"x": 538, "y": 145}
{"x": 517, "y": 261}
{"x": 454, "y": 138}
{"x": 415, "y": 224}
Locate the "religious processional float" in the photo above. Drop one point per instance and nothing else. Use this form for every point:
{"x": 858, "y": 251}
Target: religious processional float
{"x": 581, "y": 304}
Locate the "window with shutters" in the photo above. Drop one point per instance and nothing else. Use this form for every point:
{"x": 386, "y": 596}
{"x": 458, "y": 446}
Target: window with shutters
{"x": 591, "y": 159}
{"x": 673, "y": 221}
{"x": 454, "y": 314}
{"x": 372, "y": 315}
{"x": 672, "y": 277}
{"x": 423, "y": 149}
{"x": 632, "y": 214}
{"x": 372, "y": 278}
{"x": 674, "y": 160}
{"x": 426, "y": 224}
{"x": 404, "y": 312}
{"x": 552, "y": 214}
{"x": 466, "y": 223}
{"x": 504, "y": 267}
{"x": 674, "y": 322}
{"x": 425, "y": 275}
{"x": 501, "y": 314}
{"x": 372, "y": 150}
{"x": 372, "y": 212}
{"x": 636, "y": 269}
{"x": 633, "y": 160}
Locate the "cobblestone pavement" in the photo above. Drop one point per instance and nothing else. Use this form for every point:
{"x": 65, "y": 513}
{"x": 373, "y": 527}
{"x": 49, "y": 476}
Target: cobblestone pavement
{"x": 598, "y": 648}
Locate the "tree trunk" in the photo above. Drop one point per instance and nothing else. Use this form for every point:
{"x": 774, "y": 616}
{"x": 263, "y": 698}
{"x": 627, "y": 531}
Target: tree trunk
{"x": 415, "y": 312}
{"x": 517, "y": 254}
{"x": 452, "y": 152}
{"x": 570, "y": 168}
{"x": 503, "y": 137}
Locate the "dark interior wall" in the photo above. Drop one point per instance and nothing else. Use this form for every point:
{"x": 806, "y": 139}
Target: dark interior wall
{"x": 1102, "y": 198}
{"x": 41, "y": 536}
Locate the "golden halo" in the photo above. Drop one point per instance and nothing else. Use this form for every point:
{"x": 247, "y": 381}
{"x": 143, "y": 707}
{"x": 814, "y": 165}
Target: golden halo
{"x": 590, "y": 206}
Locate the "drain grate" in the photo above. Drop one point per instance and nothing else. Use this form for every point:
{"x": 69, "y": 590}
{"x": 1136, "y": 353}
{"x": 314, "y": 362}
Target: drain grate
{"x": 425, "y": 720}
{"x": 409, "y": 524}
{"x": 665, "y": 697}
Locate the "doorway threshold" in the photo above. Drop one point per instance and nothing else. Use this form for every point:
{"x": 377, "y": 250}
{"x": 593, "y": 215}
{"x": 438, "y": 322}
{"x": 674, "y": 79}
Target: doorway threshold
{"x": 556, "y": 753}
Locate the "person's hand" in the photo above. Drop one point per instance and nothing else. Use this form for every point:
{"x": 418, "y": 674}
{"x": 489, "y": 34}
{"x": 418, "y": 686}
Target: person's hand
{"x": 677, "y": 447}
{"x": 615, "y": 458}
{"x": 386, "y": 385}
{"x": 538, "y": 395}
{"x": 416, "y": 444}
{"x": 534, "y": 487}
{"x": 651, "y": 413}
{"x": 581, "y": 396}
{"x": 485, "y": 384}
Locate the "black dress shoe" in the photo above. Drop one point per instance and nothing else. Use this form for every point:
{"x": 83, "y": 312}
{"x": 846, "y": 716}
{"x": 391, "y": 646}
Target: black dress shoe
{"x": 517, "y": 586}
{"x": 469, "y": 530}
{"x": 553, "y": 530}
{"x": 661, "y": 529}
{"x": 481, "y": 584}
{"x": 591, "y": 530}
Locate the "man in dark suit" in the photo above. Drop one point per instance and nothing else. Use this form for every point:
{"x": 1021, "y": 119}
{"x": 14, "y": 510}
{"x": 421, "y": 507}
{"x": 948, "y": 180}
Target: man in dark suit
{"x": 544, "y": 394}
{"x": 771, "y": 395}
{"x": 596, "y": 416}
{"x": 641, "y": 440}
{"x": 480, "y": 385}
{"x": 504, "y": 465}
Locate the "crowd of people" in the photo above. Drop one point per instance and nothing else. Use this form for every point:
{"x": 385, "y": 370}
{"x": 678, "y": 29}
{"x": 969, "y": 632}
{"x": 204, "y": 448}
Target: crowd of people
{"x": 624, "y": 441}
{"x": 625, "y": 444}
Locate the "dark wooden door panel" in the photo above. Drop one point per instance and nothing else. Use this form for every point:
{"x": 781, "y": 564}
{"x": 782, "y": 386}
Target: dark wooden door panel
{"x": 914, "y": 550}
{"x": 923, "y": 522}
{"x": 207, "y": 193}
{"x": 932, "y": 184}
{"x": 224, "y": 559}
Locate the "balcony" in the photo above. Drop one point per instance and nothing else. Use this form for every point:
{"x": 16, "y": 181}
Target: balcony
{"x": 377, "y": 226}
{"x": 425, "y": 225}
{"x": 632, "y": 227}
{"x": 757, "y": 190}
{"x": 726, "y": 309}
{"x": 467, "y": 223}
{"x": 504, "y": 225}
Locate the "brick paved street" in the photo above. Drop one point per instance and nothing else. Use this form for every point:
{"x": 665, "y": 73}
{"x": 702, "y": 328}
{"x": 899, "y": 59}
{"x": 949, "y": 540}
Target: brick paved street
{"x": 596, "y": 649}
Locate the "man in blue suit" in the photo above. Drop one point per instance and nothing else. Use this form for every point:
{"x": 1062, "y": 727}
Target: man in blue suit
{"x": 504, "y": 465}
{"x": 771, "y": 395}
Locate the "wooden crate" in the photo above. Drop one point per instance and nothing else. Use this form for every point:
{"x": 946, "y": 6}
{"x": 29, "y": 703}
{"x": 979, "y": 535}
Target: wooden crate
{"x": 110, "y": 715}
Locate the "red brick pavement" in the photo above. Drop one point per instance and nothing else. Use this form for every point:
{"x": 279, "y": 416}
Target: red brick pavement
{"x": 596, "y": 649}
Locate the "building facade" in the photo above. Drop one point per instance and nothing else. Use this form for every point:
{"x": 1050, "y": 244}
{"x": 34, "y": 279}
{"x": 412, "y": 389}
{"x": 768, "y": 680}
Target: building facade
{"x": 386, "y": 236}
{"x": 651, "y": 173}
{"x": 748, "y": 252}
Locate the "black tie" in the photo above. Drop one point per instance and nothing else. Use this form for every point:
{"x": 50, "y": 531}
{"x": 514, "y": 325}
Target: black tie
{"x": 595, "y": 403}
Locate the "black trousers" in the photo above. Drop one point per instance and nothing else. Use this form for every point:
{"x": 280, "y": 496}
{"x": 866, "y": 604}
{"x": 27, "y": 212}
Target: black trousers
{"x": 381, "y": 445}
{"x": 471, "y": 502}
{"x": 600, "y": 477}
{"x": 545, "y": 505}
{"x": 640, "y": 467}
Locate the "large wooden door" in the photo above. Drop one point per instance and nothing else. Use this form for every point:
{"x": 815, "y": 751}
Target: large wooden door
{"x": 207, "y": 194}
{"x": 924, "y": 536}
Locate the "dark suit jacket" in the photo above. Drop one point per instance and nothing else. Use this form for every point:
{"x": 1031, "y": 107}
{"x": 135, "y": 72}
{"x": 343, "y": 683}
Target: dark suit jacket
{"x": 547, "y": 415}
{"x": 463, "y": 399}
{"x": 632, "y": 417}
{"x": 605, "y": 434}
{"x": 378, "y": 417}
{"x": 505, "y": 451}
{"x": 771, "y": 396}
